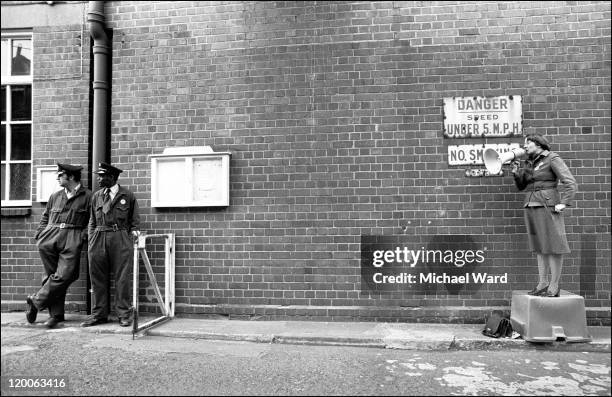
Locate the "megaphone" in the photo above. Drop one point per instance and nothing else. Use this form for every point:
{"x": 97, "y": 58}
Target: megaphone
{"x": 493, "y": 161}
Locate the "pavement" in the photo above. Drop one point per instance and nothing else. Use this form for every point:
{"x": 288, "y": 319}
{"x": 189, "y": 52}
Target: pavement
{"x": 408, "y": 336}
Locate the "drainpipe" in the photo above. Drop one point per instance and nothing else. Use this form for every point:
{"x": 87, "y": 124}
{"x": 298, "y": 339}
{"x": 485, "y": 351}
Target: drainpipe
{"x": 101, "y": 51}
{"x": 99, "y": 150}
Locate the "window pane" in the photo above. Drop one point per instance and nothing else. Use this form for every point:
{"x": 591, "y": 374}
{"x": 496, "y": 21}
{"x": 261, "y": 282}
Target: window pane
{"x": 3, "y": 178}
{"x": 5, "y": 58}
{"x": 20, "y": 182}
{"x": 3, "y": 99}
{"x": 22, "y": 57}
{"x": 3, "y": 143}
{"x": 21, "y": 102}
{"x": 21, "y": 141}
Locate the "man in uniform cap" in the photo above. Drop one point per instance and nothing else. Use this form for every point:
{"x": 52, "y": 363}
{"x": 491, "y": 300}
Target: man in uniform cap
{"x": 113, "y": 221}
{"x": 60, "y": 237}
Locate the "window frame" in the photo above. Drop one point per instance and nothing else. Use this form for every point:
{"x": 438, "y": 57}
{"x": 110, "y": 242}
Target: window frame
{"x": 8, "y": 82}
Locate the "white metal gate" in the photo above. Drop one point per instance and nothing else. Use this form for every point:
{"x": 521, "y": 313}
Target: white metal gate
{"x": 167, "y": 304}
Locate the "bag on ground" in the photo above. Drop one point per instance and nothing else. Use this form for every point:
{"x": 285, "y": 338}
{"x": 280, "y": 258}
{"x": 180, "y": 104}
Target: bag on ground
{"x": 497, "y": 326}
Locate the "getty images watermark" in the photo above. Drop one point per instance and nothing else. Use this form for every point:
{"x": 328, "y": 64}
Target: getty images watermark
{"x": 457, "y": 263}
{"x": 408, "y": 257}
{"x": 14, "y": 385}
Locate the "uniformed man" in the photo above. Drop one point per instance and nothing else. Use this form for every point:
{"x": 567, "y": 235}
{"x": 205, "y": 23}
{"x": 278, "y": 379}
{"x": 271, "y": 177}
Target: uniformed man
{"x": 113, "y": 223}
{"x": 60, "y": 237}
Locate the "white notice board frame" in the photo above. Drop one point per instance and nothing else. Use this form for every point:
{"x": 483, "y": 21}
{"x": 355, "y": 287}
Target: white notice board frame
{"x": 46, "y": 183}
{"x": 190, "y": 177}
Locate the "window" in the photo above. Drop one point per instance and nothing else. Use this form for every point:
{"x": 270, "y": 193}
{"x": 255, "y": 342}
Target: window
{"x": 16, "y": 96}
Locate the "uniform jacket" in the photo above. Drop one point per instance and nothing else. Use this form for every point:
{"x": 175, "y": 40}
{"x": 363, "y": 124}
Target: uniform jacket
{"x": 547, "y": 181}
{"x": 60, "y": 209}
{"x": 123, "y": 211}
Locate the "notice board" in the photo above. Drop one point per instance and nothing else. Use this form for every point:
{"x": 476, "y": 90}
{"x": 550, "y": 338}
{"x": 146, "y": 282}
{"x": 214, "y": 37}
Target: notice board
{"x": 190, "y": 177}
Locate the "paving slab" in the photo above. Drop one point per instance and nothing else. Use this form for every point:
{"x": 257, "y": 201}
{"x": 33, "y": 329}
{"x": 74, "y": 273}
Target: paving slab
{"x": 409, "y": 336}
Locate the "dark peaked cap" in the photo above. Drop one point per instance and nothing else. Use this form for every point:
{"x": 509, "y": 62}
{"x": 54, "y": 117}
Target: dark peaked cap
{"x": 105, "y": 168}
{"x": 68, "y": 168}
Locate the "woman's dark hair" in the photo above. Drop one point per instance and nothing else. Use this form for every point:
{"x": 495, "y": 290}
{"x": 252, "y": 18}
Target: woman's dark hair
{"x": 538, "y": 140}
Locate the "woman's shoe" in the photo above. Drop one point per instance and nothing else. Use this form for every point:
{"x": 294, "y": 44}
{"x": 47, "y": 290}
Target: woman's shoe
{"x": 537, "y": 292}
{"x": 550, "y": 294}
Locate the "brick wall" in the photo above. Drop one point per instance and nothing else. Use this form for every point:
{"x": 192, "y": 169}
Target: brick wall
{"x": 60, "y": 112}
{"x": 333, "y": 114}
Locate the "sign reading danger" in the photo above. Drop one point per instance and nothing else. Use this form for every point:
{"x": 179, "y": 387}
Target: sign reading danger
{"x": 483, "y": 117}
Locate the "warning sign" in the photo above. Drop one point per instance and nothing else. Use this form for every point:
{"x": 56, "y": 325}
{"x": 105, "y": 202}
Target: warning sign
{"x": 472, "y": 154}
{"x": 474, "y": 117}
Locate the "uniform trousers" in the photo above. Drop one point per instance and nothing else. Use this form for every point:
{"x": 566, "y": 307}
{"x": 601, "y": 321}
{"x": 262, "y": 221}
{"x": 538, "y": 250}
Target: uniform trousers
{"x": 60, "y": 252}
{"x": 110, "y": 251}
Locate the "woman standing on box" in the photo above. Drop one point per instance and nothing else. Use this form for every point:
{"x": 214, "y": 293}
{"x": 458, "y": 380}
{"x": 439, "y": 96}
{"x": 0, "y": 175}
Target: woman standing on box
{"x": 550, "y": 188}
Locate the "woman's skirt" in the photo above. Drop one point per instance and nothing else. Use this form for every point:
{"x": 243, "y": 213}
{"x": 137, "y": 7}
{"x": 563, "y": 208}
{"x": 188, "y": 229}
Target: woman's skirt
{"x": 546, "y": 231}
